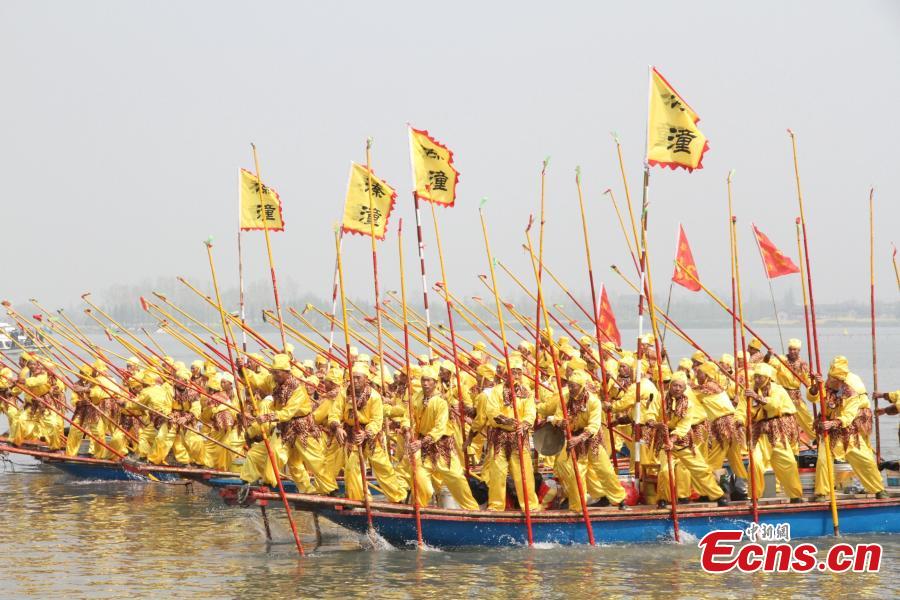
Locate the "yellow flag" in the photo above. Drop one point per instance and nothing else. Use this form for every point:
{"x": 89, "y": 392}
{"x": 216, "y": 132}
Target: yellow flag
{"x": 253, "y": 212}
{"x": 358, "y": 218}
{"x": 433, "y": 171}
{"x": 673, "y": 138}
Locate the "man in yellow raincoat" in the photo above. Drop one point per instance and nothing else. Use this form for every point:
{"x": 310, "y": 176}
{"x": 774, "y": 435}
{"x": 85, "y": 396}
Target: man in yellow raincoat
{"x": 848, "y": 421}
{"x": 585, "y": 417}
{"x": 506, "y": 433}
{"x": 434, "y": 445}
{"x": 357, "y": 420}
{"x": 175, "y": 434}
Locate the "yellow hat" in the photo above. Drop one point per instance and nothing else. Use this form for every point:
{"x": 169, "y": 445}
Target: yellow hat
{"x": 648, "y": 339}
{"x": 685, "y": 363}
{"x": 728, "y": 359}
{"x": 253, "y": 355}
{"x": 281, "y": 362}
{"x": 755, "y": 344}
{"x": 183, "y": 374}
{"x": 169, "y": 360}
{"x": 708, "y": 368}
{"x": 197, "y": 364}
{"x": 360, "y": 369}
{"x": 320, "y": 359}
{"x": 839, "y": 368}
{"x": 289, "y": 348}
{"x": 214, "y": 383}
{"x": 480, "y": 346}
{"x": 179, "y": 365}
{"x": 364, "y": 358}
{"x": 515, "y": 362}
{"x": 568, "y": 351}
{"x": 794, "y": 343}
{"x": 429, "y": 372}
{"x": 740, "y": 355}
{"x": 308, "y": 364}
{"x": 86, "y": 370}
{"x": 423, "y": 358}
{"x": 6, "y": 378}
{"x": 335, "y": 375}
{"x": 148, "y": 377}
{"x": 764, "y": 370}
{"x": 415, "y": 371}
{"x": 577, "y": 364}
{"x": 209, "y": 370}
{"x": 99, "y": 366}
{"x": 133, "y": 361}
{"x": 486, "y": 371}
{"x": 312, "y": 380}
{"x": 446, "y": 364}
{"x": 27, "y": 356}
{"x": 612, "y": 367}
{"x": 679, "y": 377}
{"x": 699, "y": 356}
{"x": 608, "y": 346}
{"x": 223, "y": 377}
{"x": 579, "y": 377}
{"x": 477, "y": 355}
{"x": 585, "y": 340}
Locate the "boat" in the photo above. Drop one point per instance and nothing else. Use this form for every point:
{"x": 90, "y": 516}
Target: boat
{"x": 13, "y": 339}
{"x": 89, "y": 468}
{"x": 454, "y": 528}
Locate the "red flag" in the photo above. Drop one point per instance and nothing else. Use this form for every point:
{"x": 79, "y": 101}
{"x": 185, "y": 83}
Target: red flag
{"x": 606, "y": 320}
{"x": 684, "y": 257}
{"x": 144, "y": 304}
{"x": 776, "y": 263}
{"x": 38, "y": 317}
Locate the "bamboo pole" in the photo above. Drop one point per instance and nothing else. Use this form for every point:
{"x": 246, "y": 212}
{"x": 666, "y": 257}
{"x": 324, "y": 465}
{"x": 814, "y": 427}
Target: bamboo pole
{"x": 512, "y": 385}
{"x": 872, "y": 306}
{"x": 579, "y": 484}
{"x": 771, "y": 290}
{"x": 809, "y": 346}
{"x": 815, "y": 334}
{"x": 265, "y": 436}
{"x": 409, "y": 403}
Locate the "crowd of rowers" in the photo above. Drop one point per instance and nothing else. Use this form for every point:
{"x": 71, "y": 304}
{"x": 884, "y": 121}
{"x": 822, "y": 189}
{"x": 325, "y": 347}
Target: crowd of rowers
{"x": 318, "y": 418}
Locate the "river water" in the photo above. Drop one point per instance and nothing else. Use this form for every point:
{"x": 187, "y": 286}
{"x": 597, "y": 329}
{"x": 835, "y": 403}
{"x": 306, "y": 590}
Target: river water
{"x": 72, "y": 539}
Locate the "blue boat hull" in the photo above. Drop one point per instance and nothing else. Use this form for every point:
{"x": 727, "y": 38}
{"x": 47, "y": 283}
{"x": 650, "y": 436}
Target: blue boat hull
{"x": 443, "y": 531}
{"x": 103, "y": 472}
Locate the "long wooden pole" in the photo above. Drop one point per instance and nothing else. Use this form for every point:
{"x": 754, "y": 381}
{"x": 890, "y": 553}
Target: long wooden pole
{"x": 510, "y": 381}
{"x": 352, "y": 399}
{"x": 800, "y": 263}
{"x": 754, "y": 493}
{"x": 421, "y": 243}
{"x": 731, "y": 247}
{"x": 872, "y": 305}
{"x": 448, "y": 300}
{"x": 562, "y": 397}
{"x": 265, "y": 435}
{"x": 603, "y": 374}
{"x": 259, "y": 188}
{"x": 812, "y": 317}
{"x": 409, "y": 389}
{"x": 369, "y": 143}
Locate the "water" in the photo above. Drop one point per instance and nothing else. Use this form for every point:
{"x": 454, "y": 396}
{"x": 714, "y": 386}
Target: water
{"x": 73, "y": 539}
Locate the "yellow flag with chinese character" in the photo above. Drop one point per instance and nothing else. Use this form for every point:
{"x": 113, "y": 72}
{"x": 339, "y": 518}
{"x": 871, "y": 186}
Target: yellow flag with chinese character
{"x": 433, "y": 169}
{"x": 256, "y": 214}
{"x": 673, "y": 138}
{"x": 364, "y": 206}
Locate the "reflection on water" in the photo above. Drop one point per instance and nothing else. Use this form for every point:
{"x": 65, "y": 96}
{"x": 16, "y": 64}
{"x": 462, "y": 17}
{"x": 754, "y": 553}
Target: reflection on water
{"x": 69, "y": 538}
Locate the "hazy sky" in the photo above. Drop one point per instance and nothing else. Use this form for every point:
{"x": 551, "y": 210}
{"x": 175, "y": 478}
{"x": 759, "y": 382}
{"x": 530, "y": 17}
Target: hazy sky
{"x": 123, "y": 125}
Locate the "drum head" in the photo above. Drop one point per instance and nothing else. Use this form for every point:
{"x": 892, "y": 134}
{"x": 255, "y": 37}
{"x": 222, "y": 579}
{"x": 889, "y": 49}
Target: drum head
{"x": 549, "y": 440}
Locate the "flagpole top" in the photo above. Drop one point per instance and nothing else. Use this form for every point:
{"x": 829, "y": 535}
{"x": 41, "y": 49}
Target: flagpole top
{"x": 208, "y": 242}
{"x": 370, "y": 141}
{"x": 730, "y": 175}
{"x": 483, "y": 201}
{"x": 615, "y": 137}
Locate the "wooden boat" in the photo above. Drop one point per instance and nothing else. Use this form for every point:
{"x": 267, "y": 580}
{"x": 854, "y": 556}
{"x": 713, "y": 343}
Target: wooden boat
{"x": 89, "y": 468}
{"x": 449, "y": 528}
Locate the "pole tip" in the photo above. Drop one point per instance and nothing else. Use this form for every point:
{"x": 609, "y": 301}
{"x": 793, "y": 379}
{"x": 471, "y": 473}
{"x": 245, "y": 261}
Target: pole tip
{"x": 483, "y": 201}
{"x": 208, "y": 242}
{"x": 797, "y": 220}
{"x": 85, "y": 295}
{"x": 370, "y": 141}
{"x": 6, "y": 303}
{"x": 790, "y": 132}
{"x": 615, "y": 136}
{"x": 546, "y": 163}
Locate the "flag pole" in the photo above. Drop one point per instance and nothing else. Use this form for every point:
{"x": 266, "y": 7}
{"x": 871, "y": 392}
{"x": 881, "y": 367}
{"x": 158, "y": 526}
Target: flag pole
{"x": 461, "y": 405}
{"x": 872, "y": 304}
{"x": 771, "y": 289}
{"x": 603, "y": 375}
{"x": 540, "y": 275}
{"x": 409, "y": 391}
{"x": 510, "y": 381}
{"x": 754, "y": 493}
{"x": 231, "y": 364}
{"x": 241, "y": 287}
{"x": 562, "y": 398}
{"x": 259, "y": 189}
{"x": 815, "y": 335}
{"x": 421, "y": 243}
{"x": 369, "y": 143}
{"x": 334, "y": 294}
{"x": 896, "y": 271}
{"x": 671, "y": 285}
